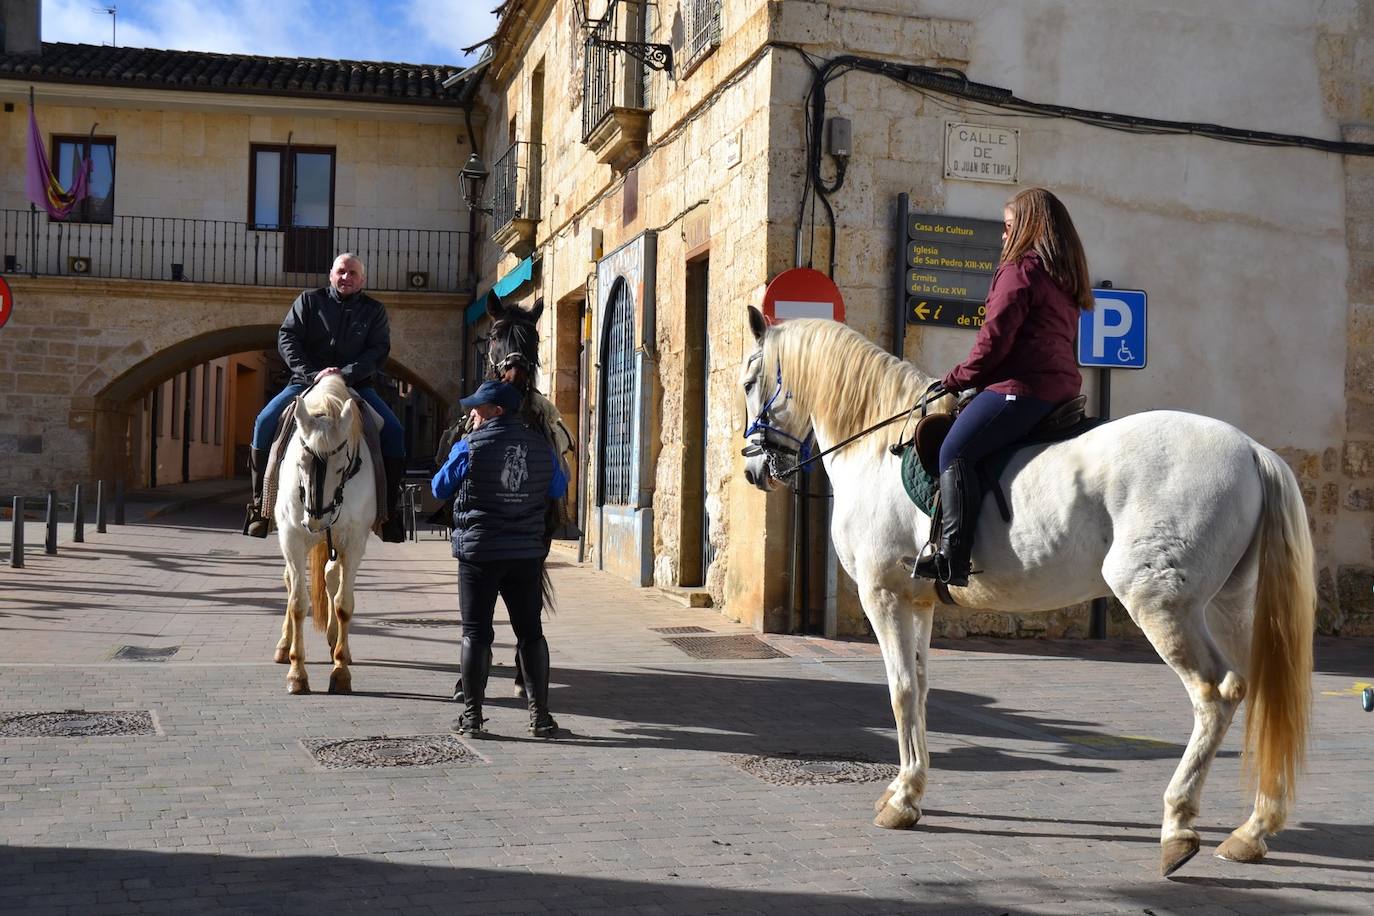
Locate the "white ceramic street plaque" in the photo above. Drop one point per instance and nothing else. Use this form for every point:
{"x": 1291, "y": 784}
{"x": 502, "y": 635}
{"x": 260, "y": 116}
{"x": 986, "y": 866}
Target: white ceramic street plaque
{"x": 976, "y": 152}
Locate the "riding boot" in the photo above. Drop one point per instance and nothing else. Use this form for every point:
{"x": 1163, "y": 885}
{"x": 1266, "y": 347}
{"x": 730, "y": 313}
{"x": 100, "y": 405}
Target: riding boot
{"x": 476, "y": 662}
{"x": 256, "y": 525}
{"x": 534, "y": 661}
{"x": 518, "y": 688}
{"x": 458, "y": 684}
{"x": 960, "y": 500}
{"x": 393, "y": 529}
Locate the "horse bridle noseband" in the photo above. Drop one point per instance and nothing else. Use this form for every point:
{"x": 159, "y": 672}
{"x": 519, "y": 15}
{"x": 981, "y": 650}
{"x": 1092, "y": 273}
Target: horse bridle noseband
{"x": 796, "y": 452}
{"x": 319, "y": 466}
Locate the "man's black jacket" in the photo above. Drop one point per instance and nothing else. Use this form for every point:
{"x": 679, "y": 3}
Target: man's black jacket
{"x": 322, "y": 330}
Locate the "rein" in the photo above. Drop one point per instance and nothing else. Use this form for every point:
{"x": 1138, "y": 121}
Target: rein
{"x": 319, "y": 467}
{"x": 763, "y": 423}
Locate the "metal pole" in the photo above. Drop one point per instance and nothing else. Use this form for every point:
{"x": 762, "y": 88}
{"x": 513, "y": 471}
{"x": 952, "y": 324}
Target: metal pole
{"x": 1098, "y": 623}
{"x": 50, "y": 536}
{"x": 119, "y": 501}
{"x": 899, "y": 305}
{"x": 17, "y": 535}
{"x": 100, "y": 507}
{"x": 78, "y": 520}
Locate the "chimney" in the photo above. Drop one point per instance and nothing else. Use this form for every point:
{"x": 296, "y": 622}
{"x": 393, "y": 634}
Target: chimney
{"x": 21, "y": 26}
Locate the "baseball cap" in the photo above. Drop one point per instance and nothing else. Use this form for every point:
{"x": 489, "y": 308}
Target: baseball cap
{"x": 502, "y": 394}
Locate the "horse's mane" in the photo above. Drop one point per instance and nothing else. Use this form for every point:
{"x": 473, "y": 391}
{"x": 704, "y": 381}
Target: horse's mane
{"x": 326, "y": 400}
{"x": 841, "y": 378}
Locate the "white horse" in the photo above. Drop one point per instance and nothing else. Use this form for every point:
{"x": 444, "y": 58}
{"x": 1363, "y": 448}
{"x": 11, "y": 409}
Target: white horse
{"x": 326, "y": 506}
{"x": 1197, "y": 529}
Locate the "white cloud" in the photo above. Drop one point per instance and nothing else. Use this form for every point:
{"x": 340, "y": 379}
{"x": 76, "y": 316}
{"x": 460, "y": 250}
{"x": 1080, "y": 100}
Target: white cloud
{"x": 410, "y": 31}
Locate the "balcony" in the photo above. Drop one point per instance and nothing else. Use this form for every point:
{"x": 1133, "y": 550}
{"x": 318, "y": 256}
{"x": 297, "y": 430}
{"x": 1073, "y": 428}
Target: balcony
{"x": 219, "y": 251}
{"x": 515, "y": 197}
{"x": 615, "y": 119}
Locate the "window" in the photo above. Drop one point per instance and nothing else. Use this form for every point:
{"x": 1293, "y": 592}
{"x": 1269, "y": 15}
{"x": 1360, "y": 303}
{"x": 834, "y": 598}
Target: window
{"x": 67, "y": 154}
{"x": 619, "y": 476}
{"x": 291, "y": 189}
{"x": 703, "y": 28}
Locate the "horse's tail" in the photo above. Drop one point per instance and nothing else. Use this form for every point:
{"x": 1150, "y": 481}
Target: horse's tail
{"x": 319, "y": 602}
{"x": 546, "y": 588}
{"x": 1280, "y": 689}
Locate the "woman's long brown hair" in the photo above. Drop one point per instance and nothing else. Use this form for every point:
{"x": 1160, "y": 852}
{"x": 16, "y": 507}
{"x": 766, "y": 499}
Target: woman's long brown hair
{"x": 1041, "y": 224}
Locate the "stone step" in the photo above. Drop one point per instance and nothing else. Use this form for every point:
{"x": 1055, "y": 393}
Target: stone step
{"x": 687, "y": 596}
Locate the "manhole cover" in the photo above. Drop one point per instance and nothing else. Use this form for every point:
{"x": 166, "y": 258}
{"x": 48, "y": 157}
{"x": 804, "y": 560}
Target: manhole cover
{"x": 423, "y": 622}
{"x": 814, "y": 771}
{"x": 679, "y": 630}
{"x": 75, "y": 723}
{"x": 361, "y": 753}
{"x": 744, "y": 646}
{"x": 144, "y": 654}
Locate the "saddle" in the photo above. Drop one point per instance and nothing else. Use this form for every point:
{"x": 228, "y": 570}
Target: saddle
{"x": 286, "y": 428}
{"x": 921, "y": 458}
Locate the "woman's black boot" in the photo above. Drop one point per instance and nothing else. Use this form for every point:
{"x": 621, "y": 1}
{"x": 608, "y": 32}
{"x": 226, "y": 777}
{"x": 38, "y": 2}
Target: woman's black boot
{"x": 534, "y": 661}
{"x": 960, "y": 500}
{"x": 476, "y": 661}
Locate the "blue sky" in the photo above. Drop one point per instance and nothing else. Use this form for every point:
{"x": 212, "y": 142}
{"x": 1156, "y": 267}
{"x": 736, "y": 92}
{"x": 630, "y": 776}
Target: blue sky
{"x": 409, "y": 31}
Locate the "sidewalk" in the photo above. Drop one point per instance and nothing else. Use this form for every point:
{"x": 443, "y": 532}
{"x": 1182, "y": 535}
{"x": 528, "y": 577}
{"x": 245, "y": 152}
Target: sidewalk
{"x": 1049, "y": 759}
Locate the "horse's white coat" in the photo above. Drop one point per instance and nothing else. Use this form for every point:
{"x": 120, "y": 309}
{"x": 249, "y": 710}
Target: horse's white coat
{"x": 1164, "y": 510}
{"x": 325, "y": 419}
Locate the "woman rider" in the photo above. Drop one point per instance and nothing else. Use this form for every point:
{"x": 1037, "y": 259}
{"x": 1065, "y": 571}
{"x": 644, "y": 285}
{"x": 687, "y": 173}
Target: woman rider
{"x": 1023, "y": 363}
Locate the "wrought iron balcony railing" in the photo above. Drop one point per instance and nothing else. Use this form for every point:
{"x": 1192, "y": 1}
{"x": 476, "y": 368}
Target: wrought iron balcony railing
{"x": 219, "y": 251}
{"x": 612, "y": 78}
{"x": 515, "y": 184}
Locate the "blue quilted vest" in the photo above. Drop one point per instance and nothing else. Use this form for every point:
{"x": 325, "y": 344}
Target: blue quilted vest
{"x": 498, "y": 511}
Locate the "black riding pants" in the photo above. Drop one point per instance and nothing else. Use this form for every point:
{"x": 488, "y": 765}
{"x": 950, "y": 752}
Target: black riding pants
{"x": 517, "y": 582}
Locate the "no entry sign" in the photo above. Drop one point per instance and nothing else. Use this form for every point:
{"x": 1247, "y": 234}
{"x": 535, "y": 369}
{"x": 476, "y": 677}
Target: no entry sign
{"x": 802, "y": 293}
{"x": 6, "y": 302}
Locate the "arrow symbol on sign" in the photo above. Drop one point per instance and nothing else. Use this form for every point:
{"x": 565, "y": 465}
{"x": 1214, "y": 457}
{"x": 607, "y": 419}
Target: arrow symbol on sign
{"x": 921, "y": 311}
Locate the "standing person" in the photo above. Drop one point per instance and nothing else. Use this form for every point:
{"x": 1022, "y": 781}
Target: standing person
{"x": 337, "y": 329}
{"x": 502, "y": 475}
{"x": 1023, "y": 363}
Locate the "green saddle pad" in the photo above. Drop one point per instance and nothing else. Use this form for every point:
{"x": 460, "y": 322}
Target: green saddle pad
{"x": 919, "y": 485}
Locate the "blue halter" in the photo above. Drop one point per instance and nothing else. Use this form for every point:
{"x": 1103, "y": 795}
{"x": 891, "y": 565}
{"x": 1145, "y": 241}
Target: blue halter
{"x": 763, "y": 424}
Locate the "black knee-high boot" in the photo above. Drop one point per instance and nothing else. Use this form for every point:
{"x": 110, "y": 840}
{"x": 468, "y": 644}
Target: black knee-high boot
{"x": 393, "y": 529}
{"x": 534, "y": 661}
{"x": 256, "y": 524}
{"x": 476, "y": 661}
{"x": 960, "y": 499}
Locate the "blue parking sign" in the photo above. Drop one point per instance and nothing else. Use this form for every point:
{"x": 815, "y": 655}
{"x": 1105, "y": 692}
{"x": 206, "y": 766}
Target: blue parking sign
{"x": 1112, "y": 335}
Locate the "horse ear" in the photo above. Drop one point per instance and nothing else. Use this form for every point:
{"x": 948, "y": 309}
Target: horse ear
{"x": 495, "y": 307}
{"x": 535, "y": 312}
{"x": 347, "y": 416}
{"x": 303, "y": 418}
{"x": 757, "y": 323}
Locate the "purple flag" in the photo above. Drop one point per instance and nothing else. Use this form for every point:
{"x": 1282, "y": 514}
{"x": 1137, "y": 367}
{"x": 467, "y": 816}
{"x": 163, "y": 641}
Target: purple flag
{"x": 42, "y": 185}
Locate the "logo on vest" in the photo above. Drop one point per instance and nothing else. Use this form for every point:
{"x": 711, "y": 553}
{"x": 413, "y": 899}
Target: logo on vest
{"x": 516, "y": 470}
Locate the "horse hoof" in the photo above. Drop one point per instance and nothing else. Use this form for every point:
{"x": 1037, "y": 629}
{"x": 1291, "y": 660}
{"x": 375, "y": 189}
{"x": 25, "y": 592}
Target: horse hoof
{"x": 297, "y": 685}
{"x": 881, "y": 803}
{"x": 1174, "y": 853}
{"x": 892, "y": 818}
{"x": 282, "y": 656}
{"x": 339, "y": 684}
{"x": 1235, "y": 849}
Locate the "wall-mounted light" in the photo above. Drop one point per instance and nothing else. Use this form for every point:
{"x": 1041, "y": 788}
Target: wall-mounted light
{"x": 471, "y": 179}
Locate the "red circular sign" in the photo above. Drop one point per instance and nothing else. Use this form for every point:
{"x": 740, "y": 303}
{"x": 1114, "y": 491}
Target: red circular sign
{"x": 802, "y": 293}
{"x": 6, "y": 302}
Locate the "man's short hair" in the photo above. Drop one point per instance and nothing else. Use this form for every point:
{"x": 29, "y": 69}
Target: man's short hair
{"x": 362, "y": 268}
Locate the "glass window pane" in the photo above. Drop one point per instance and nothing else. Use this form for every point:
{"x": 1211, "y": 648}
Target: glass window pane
{"x": 100, "y": 206}
{"x": 65, "y": 166}
{"x": 267, "y": 188}
{"x": 310, "y": 204}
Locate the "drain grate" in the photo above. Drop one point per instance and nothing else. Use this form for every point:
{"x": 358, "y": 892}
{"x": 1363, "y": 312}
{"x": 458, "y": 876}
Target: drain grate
{"x": 805, "y": 770}
{"x": 744, "y": 646}
{"x": 421, "y": 622}
{"x": 145, "y": 654}
{"x": 381, "y": 751}
{"x": 679, "y": 630}
{"x": 76, "y": 723}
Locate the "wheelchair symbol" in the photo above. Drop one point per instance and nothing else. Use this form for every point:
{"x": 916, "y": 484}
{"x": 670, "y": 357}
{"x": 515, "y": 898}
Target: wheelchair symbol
{"x": 1123, "y": 353}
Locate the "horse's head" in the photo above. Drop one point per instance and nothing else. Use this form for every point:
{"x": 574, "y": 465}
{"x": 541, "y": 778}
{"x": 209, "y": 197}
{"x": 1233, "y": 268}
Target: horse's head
{"x": 513, "y": 340}
{"x": 776, "y": 432}
{"x": 330, "y": 433}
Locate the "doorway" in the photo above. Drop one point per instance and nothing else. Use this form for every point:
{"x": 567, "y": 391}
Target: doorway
{"x": 695, "y": 535}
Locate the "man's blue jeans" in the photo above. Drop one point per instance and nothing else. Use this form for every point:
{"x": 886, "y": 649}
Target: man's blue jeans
{"x": 393, "y": 437}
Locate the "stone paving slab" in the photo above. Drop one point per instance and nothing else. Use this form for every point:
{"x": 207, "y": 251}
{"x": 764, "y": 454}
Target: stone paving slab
{"x": 1049, "y": 760}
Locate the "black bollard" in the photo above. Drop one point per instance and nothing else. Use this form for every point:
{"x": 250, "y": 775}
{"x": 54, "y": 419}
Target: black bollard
{"x": 100, "y": 507}
{"x": 78, "y": 520}
{"x": 17, "y": 535}
{"x": 119, "y": 500}
{"x": 50, "y": 538}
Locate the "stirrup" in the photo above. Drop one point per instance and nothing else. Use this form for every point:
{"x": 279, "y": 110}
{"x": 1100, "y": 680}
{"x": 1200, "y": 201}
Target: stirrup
{"x": 393, "y": 530}
{"x": 254, "y": 524}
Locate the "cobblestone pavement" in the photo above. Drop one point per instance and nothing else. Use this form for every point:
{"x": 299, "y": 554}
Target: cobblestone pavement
{"x": 1050, "y": 759}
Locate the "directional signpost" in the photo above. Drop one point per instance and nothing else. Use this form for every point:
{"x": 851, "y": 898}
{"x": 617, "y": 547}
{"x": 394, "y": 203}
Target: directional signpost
{"x": 948, "y": 268}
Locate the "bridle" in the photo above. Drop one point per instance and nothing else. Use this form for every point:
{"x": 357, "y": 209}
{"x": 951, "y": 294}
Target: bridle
{"x": 319, "y": 467}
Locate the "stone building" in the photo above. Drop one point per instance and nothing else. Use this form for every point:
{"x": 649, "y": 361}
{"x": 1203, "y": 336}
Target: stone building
{"x": 223, "y": 185}
{"x": 648, "y": 162}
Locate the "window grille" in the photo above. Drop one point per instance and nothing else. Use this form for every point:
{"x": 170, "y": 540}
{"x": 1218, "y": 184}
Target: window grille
{"x": 618, "y": 472}
{"x": 612, "y": 77}
{"x": 515, "y": 194}
{"x": 704, "y": 27}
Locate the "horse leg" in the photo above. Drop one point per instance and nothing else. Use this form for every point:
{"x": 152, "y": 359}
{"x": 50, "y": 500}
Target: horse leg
{"x": 895, "y": 626}
{"x": 924, "y": 619}
{"x": 281, "y": 656}
{"x": 297, "y": 601}
{"x": 1177, "y": 628}
{"x": 339, "y": 580}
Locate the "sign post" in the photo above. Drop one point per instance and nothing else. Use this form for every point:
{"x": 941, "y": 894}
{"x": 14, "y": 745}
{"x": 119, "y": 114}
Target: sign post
{"x": 1111, "y": 336}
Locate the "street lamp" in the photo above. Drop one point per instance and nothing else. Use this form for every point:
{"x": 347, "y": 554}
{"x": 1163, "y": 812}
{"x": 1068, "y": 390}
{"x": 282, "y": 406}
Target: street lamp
{"x": 472, "y": 177}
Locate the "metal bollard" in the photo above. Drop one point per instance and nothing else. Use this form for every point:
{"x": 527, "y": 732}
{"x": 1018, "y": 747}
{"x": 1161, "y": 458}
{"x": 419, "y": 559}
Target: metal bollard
{"x": 119, "y": 500}
{"x": 100, "y": 507}
{"x": 78, "y": 519}
{"x": 17, "y": 535}
{"x": 50, "y": 538}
